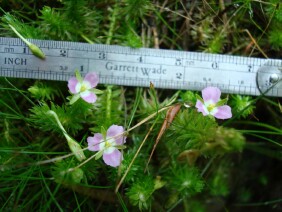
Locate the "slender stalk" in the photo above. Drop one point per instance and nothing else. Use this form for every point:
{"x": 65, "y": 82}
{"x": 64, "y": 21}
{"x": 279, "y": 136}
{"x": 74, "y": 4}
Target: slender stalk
{"x": 36, "y": 51}
{"x": 74, "y": 146}
{"x": 109, "y": 103}
{"x": 135, "y": 156}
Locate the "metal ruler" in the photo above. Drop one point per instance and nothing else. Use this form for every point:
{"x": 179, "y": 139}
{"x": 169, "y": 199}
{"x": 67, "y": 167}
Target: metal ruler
{"x": 138, "y": 67}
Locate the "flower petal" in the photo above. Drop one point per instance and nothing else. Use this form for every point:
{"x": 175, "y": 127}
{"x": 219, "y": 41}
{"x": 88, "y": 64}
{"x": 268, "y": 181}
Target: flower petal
{"x": 211, "y": 93}
{"x": 92, "y": 78}
{"x": 113, "y": 159}
{"x": 224, "y": 112}
{"x": 93, "y": 142}
{"x": 201, "y": 107}
{"x": 72, "y": 84}
{"x": 115, "y": 130}
{"x": 88, "y": 96}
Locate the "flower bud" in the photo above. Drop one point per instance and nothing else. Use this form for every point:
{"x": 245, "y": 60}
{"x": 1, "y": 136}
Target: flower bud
{"x": 75, "y": 148}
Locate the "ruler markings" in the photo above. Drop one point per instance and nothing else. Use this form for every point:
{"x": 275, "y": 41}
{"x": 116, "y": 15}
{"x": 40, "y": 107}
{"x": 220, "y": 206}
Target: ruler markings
{"x": 137, "y": 67}
{"x": 82, "y": 56}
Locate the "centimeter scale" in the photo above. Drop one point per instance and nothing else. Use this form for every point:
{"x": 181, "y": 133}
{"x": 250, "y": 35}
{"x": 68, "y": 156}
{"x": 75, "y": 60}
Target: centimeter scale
{"x": 138, "y": 67}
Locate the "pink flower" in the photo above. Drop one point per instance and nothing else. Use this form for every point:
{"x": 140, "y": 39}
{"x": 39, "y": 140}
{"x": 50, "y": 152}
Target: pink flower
{"x": 212, "y": 105}
{"x": 83, "y": 88}
{"x": 108, "y": 145}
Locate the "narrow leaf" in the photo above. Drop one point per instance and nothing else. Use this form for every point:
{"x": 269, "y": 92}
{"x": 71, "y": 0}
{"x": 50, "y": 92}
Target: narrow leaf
{"x": 78, "y": 76}
{"x": 74, "y": 98}
{"x": 120, "y": 146}
{"x": 99, "y": 154}
{"x": 200, "y": 98}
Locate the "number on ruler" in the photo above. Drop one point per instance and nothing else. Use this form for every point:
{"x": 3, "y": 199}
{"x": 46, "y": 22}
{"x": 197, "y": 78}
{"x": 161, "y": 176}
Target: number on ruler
{"x": 178, "y": 62}
{"x": 179, "y": 75}
{"x": 190, "y": 63}
{"x": 207, "y": 80}
{"x": 267, "y": 83}
{"x": 63, "y": 68}
{"x": 63, "y": 52}
{"x": 215, "y": 65}
{"x": 140, "y": 59}
{"x": 250, "y": 68}
{"x": 102, "y": 55}
{"x": 9, "y": 50}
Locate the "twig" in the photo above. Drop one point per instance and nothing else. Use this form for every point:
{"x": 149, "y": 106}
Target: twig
{"x": 133, "y": 159}
{"x": 254, "y": 41}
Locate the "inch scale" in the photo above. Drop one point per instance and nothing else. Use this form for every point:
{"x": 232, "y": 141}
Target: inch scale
{"x": 127, "y": 66}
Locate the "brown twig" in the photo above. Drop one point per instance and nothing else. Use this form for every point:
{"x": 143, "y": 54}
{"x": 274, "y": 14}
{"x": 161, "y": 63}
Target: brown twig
{"x": 255, "y": 43}
{"x": 170, "y": 115}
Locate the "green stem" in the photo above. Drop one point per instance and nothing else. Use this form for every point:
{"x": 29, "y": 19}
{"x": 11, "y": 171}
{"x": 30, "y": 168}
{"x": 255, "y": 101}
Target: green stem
{"x": 176, "y": 204}
{"x": 36, "y": 51}
{"x": 20, "y": 36}
{"x": 84, "y": 162}
{"x": 73, "y": 145}
{"x": 109, "y": 103}
{"x": 112, "y": 24}
{"x": 86, "y": 39}
{"x": 136, "y": 154}
{"x": 186, "y": 205}
{"x": 51, "y": 112}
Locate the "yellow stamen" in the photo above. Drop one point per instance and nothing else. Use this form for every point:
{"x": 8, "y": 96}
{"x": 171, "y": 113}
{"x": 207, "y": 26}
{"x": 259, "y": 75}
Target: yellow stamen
{"x": 210, "y": 107}
{"x": 107, "y": 144}
{"x": 83, "y": 88}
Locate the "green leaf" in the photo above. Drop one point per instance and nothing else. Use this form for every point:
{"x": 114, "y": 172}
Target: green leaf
{"x": 221, "y": 102}
{"x": 99, "y": 154}
{"x": 78, "y": 76}
{"x": 74, "y": 98}
{"x": 96, "y": 91}
{"x": 104, "y": 132}
{"x": 120, "y": 147}
{"x": 200, "y": 98}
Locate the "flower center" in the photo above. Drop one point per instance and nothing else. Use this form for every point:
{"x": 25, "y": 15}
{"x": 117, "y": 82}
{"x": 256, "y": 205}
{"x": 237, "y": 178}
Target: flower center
{"x": 83, "y": 88}
{"x": 108, "y": 146}
{"x": 210, "y": 107}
